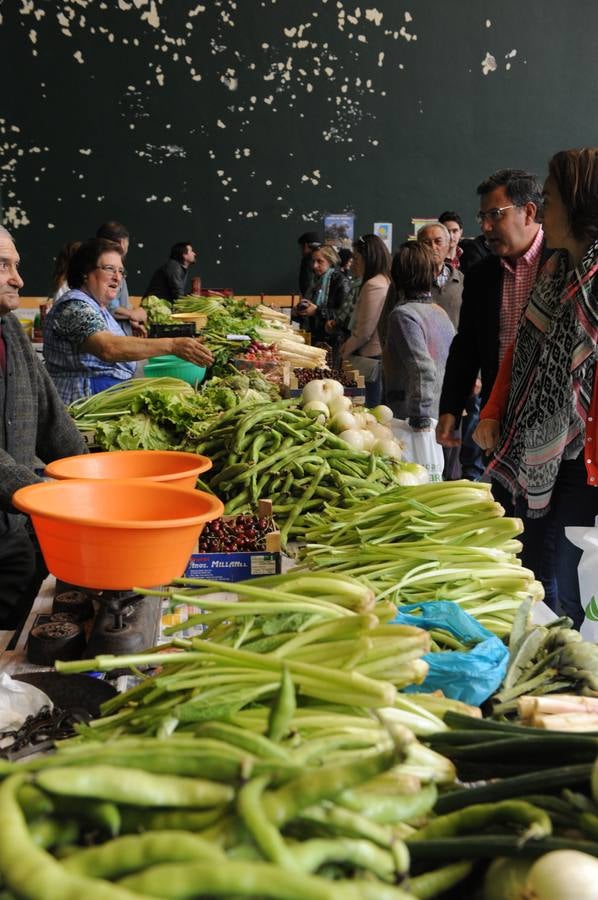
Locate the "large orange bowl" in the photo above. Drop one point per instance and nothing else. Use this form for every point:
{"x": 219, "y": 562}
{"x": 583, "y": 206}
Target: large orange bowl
{"x": 171, "y": 466}
{"x": 115, "y": 535}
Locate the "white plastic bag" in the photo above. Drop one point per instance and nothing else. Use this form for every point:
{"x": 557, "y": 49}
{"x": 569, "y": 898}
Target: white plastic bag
{"x": 420, "y": 447}
{"x": 587, "y": 572}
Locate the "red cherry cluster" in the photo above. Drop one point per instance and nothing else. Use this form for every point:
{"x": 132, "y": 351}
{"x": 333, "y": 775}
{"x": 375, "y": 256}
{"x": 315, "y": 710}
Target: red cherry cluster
{"x": 305, "y": 375}
{"x": 239, "y": 534}
{"x": 257, "y": 351}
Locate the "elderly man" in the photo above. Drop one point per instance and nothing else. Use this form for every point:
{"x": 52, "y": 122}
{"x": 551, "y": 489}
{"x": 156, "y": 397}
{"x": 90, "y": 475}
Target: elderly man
{"x": 448, "y": 281}
{"x": 496, "y": 292}
{"x": 34, "y": 424}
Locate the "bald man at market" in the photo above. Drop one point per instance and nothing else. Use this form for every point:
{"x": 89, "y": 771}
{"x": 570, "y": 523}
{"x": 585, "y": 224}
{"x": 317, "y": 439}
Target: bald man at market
{"x": 35, "y": 429}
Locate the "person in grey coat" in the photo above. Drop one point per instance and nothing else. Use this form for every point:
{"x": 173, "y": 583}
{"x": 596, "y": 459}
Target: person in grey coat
{"x": 34, "y": 424}
{"x": 418, "y": 337}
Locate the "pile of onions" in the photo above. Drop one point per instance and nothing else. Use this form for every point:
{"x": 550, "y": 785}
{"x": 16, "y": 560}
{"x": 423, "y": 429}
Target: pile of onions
{"x": 360, "y": 428}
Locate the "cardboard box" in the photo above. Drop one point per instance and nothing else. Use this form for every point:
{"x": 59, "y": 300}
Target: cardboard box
{"x": 239, "y": 566}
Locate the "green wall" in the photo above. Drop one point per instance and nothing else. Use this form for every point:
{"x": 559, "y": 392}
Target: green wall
{"x": 238, "y": 124}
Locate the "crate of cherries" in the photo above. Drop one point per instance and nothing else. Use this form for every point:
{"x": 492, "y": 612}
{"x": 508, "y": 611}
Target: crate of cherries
{"x": 234, "y": 534}
{"x": 346, "y": 377}
{"x": 237, "y": 547}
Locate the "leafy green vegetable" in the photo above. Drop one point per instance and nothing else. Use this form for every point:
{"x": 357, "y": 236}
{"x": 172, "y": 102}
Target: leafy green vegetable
{"x": 158, "y": 311}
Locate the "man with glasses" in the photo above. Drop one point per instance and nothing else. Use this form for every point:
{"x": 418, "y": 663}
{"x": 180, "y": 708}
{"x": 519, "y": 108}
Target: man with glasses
{"x": 33, "y": 423}
{"x": 495, "y": 293}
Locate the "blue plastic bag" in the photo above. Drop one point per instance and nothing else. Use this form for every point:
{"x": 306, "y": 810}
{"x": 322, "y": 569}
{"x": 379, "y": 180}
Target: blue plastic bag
{"x": 472, "y": 675}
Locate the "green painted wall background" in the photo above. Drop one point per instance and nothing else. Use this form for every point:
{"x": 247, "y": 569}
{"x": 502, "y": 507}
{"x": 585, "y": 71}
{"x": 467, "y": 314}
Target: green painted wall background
{"x": 238, "y": 124}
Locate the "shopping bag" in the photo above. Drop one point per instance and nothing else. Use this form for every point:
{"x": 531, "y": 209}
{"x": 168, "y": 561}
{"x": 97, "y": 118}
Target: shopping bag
{"x": 470, "y": 676}
{"x": 587, "y": 572}
{"x": 420, "y": 447}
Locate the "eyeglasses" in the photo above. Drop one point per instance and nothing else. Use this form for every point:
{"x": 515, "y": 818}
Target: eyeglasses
{"x": 494, "y": 215}
{"x": 113, "y": 270}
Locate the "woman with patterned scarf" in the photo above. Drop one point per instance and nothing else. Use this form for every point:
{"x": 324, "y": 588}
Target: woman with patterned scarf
{"x": 329, "y": 292}
{"x": 544, "y": 445}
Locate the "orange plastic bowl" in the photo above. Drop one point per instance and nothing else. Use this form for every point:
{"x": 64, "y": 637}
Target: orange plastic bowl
{"x": 171, "y": 466}
{"x": 116, "y": 535}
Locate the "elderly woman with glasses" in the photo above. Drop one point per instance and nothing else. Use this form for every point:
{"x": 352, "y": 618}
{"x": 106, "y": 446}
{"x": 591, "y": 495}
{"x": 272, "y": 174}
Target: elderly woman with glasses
{"x": 85, "y": 348}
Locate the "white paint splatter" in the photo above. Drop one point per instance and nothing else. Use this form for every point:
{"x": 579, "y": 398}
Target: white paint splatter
{"x": 85, "y": 151}
{"x": 374, "y": 15}
{"x": 79, "y": 57}
{"x": 488, "y": 63}
{"x": 488, "y": 23}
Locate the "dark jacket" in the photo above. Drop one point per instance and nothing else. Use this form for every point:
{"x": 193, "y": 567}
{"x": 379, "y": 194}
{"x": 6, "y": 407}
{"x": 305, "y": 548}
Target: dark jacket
{"x": 474, "y": 249}
{"x": 34, "y": 423}
{"x": 475, "y": 346}
{"x": 169, "y": 282}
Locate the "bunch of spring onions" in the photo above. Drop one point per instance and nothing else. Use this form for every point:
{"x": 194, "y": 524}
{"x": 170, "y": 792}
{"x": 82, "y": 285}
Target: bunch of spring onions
{"x": 439, "y": 541}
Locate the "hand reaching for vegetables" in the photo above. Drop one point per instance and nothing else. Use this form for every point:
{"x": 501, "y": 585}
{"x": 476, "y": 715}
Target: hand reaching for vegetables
{"x": 192, "y": 350}
{"x": 486, "y": 434}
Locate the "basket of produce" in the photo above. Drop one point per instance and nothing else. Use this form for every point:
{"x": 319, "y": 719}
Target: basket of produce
{"x": 172, "y": 466}
{"x": 173, "y": 367}
{"x": 117, "y": 534}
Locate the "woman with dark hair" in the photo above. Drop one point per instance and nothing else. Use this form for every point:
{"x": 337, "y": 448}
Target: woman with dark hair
{"x": 418, "y": 338}
{"x": 85, "y": 349}
{"x": 330, "y": 289}
{"x": 59, "y": 283}
{"x": 541, "y": 418}
{"x": 371, "y": 263}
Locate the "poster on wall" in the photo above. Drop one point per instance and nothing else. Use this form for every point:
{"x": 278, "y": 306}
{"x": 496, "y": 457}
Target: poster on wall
{"x": 384, "y": 231}
{"x": 339, "y": 229}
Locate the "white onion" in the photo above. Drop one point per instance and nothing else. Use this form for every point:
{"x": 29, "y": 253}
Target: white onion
{"x": 368, "y": 438}
{"x": 387, "y": 447}
{"x": 339, "y": 404}
{"x": 563, "y": 875}
{"x": 382, "y": 414}
{"x": 344, "y": 421}
{"x": 353, "y": 438}
{"x": 317, "y": 409}
{"x": 323, "y": 389}
{"x": 382, "y": 432}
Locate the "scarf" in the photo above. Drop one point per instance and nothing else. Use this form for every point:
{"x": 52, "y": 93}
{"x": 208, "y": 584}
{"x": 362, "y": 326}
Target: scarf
{"x": 552, "y": 380}
{"x": 321, "y": 288}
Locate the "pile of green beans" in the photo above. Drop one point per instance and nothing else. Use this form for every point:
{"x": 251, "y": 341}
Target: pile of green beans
{"x": 440, "y": 541}
{"x": 277, "y": 451}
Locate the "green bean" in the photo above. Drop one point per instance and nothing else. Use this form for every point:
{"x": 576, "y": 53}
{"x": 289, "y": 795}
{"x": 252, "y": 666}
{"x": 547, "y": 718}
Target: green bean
{"x": 337, "y": 820}
{"x": 283, "y": 709}
{"x": 47, "y": 833}
{"x": 535, "y": 821}
{"x": 131, "y": 853}
{"x": 431, "y": 884}
{"x": 134, "y": 786}
{"x": 313, "y": 854}
{"x": 249, "y": 879}
{"x": 136, "y": 819}
{"x": 387, "y": 809}
{"x": 311, "y": 787}
{"x": 256, "y": 744}
{"x": 33, "y": 874}
{"x": 263, "y": 831}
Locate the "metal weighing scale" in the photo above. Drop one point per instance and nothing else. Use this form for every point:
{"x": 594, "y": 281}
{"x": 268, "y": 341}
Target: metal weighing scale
{"x": 124, "y": 622}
